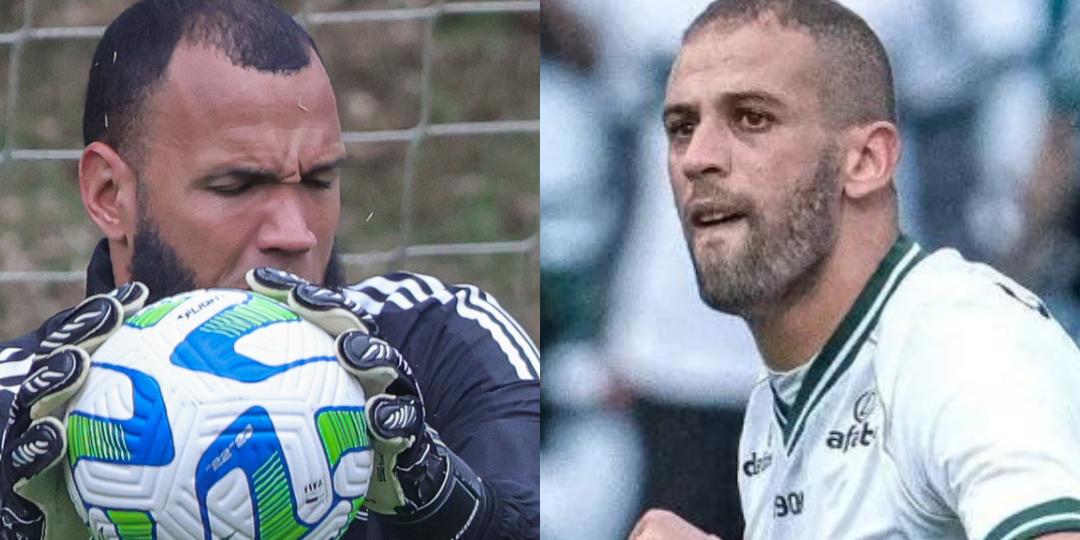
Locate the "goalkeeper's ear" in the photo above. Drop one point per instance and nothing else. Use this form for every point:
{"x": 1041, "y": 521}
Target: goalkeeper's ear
{"x": 108, "y": 188}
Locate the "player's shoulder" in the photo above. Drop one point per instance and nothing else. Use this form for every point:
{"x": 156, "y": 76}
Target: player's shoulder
{"x": 951, "y": 312}
{"x": 398, "y": 291}
{"x": 414, "y": 294}
{"x": 950, "y": 297}
{"x": 975, "y": 377}
{"x": 411, "y": 307}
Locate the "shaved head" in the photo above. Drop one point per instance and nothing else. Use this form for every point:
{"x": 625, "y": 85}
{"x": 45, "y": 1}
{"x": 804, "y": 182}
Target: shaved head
{"x": 855, "y": 81}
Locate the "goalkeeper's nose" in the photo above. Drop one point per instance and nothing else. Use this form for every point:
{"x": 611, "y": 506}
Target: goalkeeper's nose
{"x": 286, "y": 227}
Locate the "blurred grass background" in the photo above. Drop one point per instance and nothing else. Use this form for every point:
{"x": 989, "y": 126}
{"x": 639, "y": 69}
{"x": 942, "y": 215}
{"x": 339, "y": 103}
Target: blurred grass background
{"x": 475, "y": 188}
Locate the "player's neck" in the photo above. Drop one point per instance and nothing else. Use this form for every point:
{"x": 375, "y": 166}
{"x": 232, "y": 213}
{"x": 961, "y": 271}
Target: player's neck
{"x": 792, "y": 332}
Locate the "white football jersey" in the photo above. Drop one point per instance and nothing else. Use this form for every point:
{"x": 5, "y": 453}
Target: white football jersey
{"x": 946, "y": 405}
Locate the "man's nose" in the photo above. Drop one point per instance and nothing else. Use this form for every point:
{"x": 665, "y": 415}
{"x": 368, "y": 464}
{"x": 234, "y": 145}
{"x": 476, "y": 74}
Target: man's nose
{"x": 708, "y": 152}
{"x": 285, "y": 226}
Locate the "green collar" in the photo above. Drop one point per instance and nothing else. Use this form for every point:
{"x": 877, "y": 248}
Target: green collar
{"x": 843, "y": 346}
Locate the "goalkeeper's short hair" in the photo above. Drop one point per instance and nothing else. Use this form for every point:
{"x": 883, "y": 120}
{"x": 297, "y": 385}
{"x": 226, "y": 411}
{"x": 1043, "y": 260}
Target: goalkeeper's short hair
{"x": 132, "y": 57}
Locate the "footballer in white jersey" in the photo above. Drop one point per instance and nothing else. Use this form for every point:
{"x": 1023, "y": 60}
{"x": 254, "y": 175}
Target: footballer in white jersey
{"x": 911, "y": 395}
{"x": 944, "y": 406}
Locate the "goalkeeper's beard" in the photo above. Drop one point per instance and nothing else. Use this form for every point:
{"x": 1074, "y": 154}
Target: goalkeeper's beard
{"x": 156, "y": 264}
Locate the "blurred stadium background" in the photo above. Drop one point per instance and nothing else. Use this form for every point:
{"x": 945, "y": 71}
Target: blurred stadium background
{"x": 439, "y": 100}
{"x": 643, "y": 385}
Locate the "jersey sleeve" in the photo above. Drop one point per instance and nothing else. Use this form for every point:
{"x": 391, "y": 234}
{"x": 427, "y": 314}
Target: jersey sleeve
{"x": 479, "y": 374}
{"x": 989, "y": 414}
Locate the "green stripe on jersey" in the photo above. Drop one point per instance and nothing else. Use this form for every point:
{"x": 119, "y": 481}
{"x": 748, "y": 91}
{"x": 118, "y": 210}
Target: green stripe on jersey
{"x": 850, "y": 335}
{"x": 1053, "y": 516}
{"x": 781, "y": 409}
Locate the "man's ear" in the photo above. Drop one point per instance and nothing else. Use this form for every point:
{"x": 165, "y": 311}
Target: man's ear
{"x": 108, "y": 187}
{"x": 873, "y": 152}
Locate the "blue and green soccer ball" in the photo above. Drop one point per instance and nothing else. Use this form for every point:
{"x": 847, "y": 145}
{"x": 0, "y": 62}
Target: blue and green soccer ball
{"x": 217, "y": 414}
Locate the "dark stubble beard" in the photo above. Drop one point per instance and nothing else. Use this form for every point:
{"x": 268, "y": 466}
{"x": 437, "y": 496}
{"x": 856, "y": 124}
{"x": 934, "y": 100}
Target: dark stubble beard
{"x": 156, "y": 264}
{"x": 782, "y": 255}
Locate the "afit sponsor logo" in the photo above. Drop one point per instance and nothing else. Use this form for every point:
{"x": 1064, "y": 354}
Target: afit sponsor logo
{"x": 860, "y": 433}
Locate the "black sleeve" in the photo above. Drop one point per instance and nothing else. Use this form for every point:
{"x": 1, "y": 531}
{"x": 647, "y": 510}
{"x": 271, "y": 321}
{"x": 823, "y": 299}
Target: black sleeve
{"x": 494, "y": 426}
{"x": 479, "y": 374}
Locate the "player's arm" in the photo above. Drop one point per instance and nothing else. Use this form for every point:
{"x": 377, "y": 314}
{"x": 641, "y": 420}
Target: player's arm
{"x": 483, "y": 482}
{"x": 492, "y": 422}
{"x": 984, "y": 420}
{"x": 1060, "y": 536}
{"x": 657, "y": 524}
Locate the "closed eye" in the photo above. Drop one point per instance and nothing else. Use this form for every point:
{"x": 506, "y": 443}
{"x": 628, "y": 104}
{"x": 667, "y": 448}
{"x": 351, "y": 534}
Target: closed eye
{"x": 232, "y": 186}
{"x": 318, "y": 183}
{"x": 323, "y": 176}
{"x": 237, "y": 181}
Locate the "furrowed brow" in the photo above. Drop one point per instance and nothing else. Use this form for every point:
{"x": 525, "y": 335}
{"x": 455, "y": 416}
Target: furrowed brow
{"x": 331, "y": 165}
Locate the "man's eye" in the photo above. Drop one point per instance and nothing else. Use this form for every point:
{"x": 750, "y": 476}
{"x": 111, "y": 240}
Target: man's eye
{"x": 319, "y": 183}
{"x": 230, "y": 189}
{"x": 752, "y": 120}
{"x": 680, "y": 129}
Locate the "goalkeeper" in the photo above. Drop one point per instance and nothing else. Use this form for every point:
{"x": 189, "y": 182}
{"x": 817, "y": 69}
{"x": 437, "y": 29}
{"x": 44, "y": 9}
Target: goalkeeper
{"x": 906, "y": 394}
{"x": 212, "y": 148}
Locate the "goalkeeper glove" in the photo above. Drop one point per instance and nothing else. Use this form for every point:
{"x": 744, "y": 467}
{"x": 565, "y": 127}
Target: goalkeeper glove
{"x": 33, "y": 501}
{"x": 417, "y": 483}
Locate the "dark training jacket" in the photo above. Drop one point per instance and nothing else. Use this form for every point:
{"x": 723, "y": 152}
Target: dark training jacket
{"x": 477, "y": 368}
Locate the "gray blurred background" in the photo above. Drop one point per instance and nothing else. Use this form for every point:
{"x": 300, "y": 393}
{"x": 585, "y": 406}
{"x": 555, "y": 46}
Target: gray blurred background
{"x": 439, "y": 100}
{"x": 644, "y": 386}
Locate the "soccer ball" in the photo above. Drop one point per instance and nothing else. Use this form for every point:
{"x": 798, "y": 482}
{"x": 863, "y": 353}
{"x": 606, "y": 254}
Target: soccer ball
{"x": 217, "y": 414}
